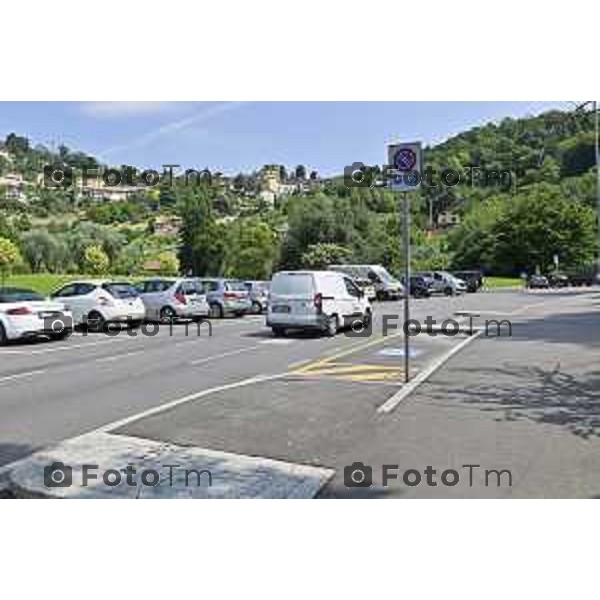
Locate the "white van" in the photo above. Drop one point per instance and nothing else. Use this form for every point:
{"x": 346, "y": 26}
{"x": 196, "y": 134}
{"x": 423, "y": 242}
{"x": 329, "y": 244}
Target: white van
{"x": 386, "y": 286}
{"x": 320, "y": 300}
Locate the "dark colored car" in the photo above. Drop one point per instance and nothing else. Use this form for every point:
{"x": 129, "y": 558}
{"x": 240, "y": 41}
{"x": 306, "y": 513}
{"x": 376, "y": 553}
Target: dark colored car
{"x": 558, "y": 280}
{"x": 473, "y": 279}
{"x": 420, "y": 286}
{"x": 580, "y": 279}
{"x": 538, "y": 282}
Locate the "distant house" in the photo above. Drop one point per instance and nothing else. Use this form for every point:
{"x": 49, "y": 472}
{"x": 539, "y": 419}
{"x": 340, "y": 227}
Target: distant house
{"x": 447, "y": 219}
{"x": 14, "y": 186}
{"x": 98, "y": 190}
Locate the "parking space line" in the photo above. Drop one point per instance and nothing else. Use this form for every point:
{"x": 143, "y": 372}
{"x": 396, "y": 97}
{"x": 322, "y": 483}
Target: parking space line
{"x": 21, "y": 375}
{"x": 117, "y": 356}
{"x": 224, "y": 355}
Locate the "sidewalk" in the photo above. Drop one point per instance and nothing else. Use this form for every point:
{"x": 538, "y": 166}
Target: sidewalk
{"x": 529, "y": 404}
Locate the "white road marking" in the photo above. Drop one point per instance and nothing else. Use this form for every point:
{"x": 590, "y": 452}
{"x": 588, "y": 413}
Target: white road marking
{"x": 21, "y": 375}
{"x": 224, "y": 355}
{"x": 117, "y": 356}
{"x": 186, "y": 399}
{"x": 391, "y": 403}
{"x": 57, "y": 348}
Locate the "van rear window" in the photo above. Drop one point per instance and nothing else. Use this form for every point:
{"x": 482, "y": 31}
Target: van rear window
{"x": 292, "y": 285}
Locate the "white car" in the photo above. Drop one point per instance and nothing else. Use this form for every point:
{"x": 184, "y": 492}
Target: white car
{"x": 321, "y": 300}
{"x": 26, "y": 314}
{"x": 444, "y": 283}
{"x": 98, "y": 302}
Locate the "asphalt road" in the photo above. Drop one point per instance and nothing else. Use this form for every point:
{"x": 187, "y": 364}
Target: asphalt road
{"x": 315, "y": 400}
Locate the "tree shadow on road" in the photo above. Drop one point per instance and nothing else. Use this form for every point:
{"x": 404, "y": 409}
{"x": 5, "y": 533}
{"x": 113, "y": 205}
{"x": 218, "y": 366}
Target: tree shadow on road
{"x": 533, "y": 393}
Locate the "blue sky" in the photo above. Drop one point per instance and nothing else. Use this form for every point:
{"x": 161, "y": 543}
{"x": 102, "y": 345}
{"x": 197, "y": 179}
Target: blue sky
{"x": 242, "y": 136}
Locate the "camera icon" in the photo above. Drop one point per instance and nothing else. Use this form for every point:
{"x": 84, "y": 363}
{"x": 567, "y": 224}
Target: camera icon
{"x": 358, "y": 475}
{"x": 58, "y": 475}
{"x": 58, "y": 175}
{"x": 358, "y": 175}
{"x": 355, "y": 327}
{"x": 58, "y": 325}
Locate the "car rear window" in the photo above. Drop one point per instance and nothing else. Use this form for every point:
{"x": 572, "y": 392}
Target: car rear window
{"x": 121, "y": 290}
{"x": 292, "y": 285}
{"x": 235, "y": 286}
{"x": 18, "y": 295}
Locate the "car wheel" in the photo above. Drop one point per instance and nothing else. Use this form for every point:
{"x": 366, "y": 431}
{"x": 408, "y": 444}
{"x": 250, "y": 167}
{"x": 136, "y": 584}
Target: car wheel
{"x": 257, "y": 308}
{"x": 63, "y": 335}
{"x": 135, "y": 324}
{"x": 278, "y": 331}
{"x": 167, "y": 315}
{"x": 449, "y": 291}
{"x": 216, "y": 311}
{"x": 332, "y": 326}
{"x": 3, "y": 336}
{"x": 380, "y": 296}
{"x": 96, "y": 322}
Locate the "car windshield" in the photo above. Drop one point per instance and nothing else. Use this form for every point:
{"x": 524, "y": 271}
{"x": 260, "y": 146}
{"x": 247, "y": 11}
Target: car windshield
{"x": 17, "y": 295}
{"x": 291, "y": 284}
{"x": 121, "y": 290}
{"x": 383, "y": 274}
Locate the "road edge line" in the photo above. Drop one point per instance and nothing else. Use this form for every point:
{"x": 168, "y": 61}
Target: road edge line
{"x": 391, "y": 403}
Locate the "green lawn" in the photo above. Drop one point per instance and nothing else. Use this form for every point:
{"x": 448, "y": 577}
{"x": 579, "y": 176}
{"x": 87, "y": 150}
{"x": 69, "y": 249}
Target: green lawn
{"x": 502, "y": 282}
{"x": 44, "y": 283}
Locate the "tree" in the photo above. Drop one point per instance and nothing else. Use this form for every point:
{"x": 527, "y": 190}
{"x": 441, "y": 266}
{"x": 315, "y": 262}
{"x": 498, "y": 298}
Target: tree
{"x": 320, "y": 256}
{"x": 43, "y": 250}
{"x": 202, "y": 239}
{"x": 251, "y": 250}
{"x": 540, "y": 224}
{"x": 169, "y": 263}
{"x": 9, "y": 257}
{"x": 96, "y": 260}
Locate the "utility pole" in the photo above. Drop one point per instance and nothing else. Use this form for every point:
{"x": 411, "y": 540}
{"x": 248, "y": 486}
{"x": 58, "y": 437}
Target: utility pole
{"x": 582, "y": 106}
{"x": 597, "y": 140}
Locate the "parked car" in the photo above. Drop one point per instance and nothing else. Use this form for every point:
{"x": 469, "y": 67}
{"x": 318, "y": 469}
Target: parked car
{"x": 320, "y": 300}
{"x": 386, "y": 286}
{"x": 169, "y": 299}
{"x": 420, "y": 287}
{"x": 473, "y": 279}
{"x": 226, "y": 297}
{"x": 27, "y": 314}
{"x": 367, "y": 288}
{"x": 445, "y": 283}
{"x": 581, "y": 277}
{"x": 558, "y": 280}
{"x": 538, "y": 282}
{"x": 259, "y": 295}
{"x": 97, "y": 302}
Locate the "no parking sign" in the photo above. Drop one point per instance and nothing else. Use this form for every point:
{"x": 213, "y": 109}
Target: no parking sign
{"x": 406, "y": 162}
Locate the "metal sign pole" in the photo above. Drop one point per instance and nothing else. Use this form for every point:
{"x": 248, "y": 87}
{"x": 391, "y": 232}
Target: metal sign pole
{"x": 406, "y": 235}
{"x": 406, "y": 160}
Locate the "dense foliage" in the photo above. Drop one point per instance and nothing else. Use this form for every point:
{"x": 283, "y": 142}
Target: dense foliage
{"x": 546, "y": 209}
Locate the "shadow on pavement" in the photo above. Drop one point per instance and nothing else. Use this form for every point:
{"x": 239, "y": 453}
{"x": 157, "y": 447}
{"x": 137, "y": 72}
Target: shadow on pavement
{"x": 533, "y": 393}
{"x": 10, "y": 452}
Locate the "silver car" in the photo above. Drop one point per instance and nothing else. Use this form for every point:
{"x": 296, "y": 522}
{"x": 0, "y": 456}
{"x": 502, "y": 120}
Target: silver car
{"x": 167, "y": 299}
{"x": 259, "y": 295}
{"x": 226, "y": 297}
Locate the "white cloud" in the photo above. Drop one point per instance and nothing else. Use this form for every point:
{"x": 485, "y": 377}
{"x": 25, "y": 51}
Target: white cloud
{"x": 176, "y": 125}
{"x": 126, "y": 108}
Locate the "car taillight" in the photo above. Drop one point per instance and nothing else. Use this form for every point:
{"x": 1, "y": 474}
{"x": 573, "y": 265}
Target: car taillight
{"x": 318, "y": 301}
{"x": 180, "y": 297}
{"x": 22, "y": 310}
